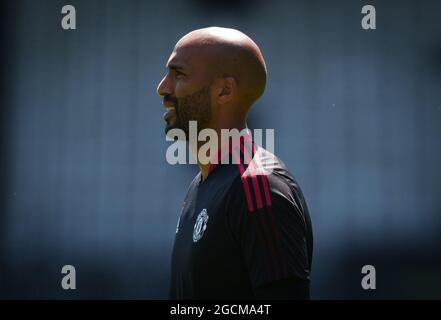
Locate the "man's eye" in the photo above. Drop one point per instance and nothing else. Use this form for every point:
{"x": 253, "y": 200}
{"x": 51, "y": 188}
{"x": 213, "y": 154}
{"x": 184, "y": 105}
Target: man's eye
{"x": 179, "y": 74}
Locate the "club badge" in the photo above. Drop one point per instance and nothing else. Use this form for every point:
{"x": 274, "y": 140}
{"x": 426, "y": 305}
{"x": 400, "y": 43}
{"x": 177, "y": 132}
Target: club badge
{"x": 200, "y": 225}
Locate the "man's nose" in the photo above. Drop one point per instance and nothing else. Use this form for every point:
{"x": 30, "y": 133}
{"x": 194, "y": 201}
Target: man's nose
{"x": 163, "y": 87}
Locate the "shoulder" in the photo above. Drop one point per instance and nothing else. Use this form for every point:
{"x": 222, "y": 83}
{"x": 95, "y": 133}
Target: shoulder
{"x": 264, "y": 182}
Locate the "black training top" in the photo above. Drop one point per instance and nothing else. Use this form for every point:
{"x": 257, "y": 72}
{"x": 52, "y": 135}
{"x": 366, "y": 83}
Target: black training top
{"x": 244, "y": 226}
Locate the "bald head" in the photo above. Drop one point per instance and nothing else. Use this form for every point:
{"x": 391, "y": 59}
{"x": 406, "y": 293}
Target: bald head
{"x": 224, "y": 52}
{"x": 214, "y": 77}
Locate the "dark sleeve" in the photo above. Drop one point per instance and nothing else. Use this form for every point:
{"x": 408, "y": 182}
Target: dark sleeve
{"x": 273, "y": 245}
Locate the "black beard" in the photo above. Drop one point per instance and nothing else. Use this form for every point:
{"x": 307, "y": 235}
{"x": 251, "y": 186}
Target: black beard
{"x": 194, "y": 107}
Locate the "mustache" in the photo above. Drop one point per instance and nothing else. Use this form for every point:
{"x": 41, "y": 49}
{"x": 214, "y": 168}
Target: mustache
{"x": 171, "y": 99}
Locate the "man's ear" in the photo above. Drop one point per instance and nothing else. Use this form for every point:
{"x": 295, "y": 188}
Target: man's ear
{"x": 227, "y": 89}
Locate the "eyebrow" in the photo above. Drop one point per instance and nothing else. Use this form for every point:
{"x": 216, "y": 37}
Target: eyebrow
{"x": 175, "y": 67}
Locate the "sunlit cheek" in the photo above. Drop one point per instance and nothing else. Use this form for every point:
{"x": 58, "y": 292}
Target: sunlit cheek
{"x": 184, "y": 88}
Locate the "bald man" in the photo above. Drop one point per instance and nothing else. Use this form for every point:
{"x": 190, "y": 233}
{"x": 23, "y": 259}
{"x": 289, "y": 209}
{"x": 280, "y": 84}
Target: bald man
{"x": 244, "y": 231}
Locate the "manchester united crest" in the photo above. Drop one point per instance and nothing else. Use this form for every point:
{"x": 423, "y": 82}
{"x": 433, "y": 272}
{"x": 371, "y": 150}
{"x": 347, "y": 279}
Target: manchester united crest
{"x": 200, "y": 225}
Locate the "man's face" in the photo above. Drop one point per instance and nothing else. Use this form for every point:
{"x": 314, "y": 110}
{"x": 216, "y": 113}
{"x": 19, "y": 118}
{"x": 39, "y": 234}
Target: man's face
{"x": 186, "y": 92}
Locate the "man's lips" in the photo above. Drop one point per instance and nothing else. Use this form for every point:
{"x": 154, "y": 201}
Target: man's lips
{"x": 171, "y": 112}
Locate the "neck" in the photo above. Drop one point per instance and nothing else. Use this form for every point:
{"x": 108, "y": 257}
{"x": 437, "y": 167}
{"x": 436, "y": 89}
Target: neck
{"x": 194, "y": 149}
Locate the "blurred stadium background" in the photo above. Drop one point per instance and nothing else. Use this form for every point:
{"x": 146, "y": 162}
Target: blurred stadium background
{"x": 357, "y": 118}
